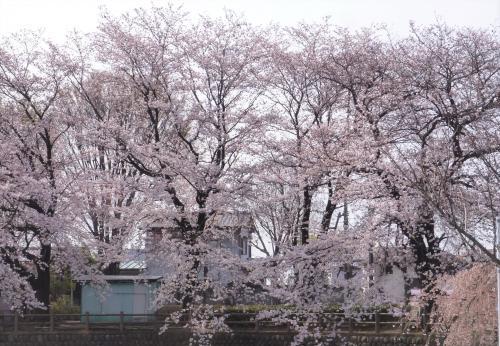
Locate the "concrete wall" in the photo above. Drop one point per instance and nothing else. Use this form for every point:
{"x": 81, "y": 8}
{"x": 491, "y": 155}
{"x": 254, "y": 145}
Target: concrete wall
{"x": 181, "y": 338}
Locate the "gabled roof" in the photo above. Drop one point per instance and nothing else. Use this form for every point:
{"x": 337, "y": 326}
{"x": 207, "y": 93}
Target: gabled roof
{"x": 237, "y": 219}
{"x": 230, "y": 219}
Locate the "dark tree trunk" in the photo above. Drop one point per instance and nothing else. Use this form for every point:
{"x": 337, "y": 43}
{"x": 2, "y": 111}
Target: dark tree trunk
{"x": 192, "y": 281}
{"x": 406, "y": 285}
{"x": 370, "y": 266}
{"x": 329, "y": 209}
{"x": 112, "y": 269}
{"x": 345, "y": 215}
{"x": 425, "y": 248}
{"x": 41, "y": 283}
{"x": 191, "y": 235}
{"x": 304, "y": 225}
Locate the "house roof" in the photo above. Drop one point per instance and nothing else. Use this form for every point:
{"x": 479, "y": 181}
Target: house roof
{"x": 125, "y": 277}
{"x": 232, "y": 219}
{"x": 135, "y": 259}
{"x": 133, "y": 265}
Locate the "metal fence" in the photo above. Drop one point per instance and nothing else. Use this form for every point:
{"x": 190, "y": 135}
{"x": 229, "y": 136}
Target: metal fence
{"x": 370, "y": 323}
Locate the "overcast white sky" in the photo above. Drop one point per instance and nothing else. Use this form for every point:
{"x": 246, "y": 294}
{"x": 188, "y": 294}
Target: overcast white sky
{"x": 57, "y": 17}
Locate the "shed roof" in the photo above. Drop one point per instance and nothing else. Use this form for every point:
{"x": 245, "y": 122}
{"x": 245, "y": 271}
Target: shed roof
{"x": 125, "y": 277}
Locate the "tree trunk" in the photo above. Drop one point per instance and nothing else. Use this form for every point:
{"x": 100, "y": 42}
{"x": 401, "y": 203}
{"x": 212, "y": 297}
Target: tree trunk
{"x": 112, "y": 269}
{"x": 425, "y": 248}
{"x": 304, "y": 225}
{"x": 192, "y": 281}
{"x": 345, "y": 215}
{"x": 41, "y": 283}
{"x": 329, "y": 209}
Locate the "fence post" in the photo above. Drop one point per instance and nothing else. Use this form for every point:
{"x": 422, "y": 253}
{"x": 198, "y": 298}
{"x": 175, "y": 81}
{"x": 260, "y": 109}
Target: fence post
{"x": 51, "y": 321}
{"x": 424, "y": 322}
{"x": 350, "y": 324}
{"x": 87, "y": 320}
{"x": 16, "y": 322}
{"x": 256, "y": 324}
{"x": 121, "y": 321}
{"x": 377, "y": 323}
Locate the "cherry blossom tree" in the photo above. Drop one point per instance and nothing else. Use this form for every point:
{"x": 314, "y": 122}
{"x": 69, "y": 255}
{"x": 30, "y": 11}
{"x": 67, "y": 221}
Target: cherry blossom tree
{"x": 465, "y": 314}
{"x": 451, "y": 80}
{"x": 185, "y": 122}
{"x": 35, "y": 207}
{"x": 157, "y": 120}
{"x": 108, "y": 185}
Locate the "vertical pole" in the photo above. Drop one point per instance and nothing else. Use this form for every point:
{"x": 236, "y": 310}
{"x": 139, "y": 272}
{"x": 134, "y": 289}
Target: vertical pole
{"x": 51, "y": 322}
{"x": 87, "y": 320}
{"x": 71, "y": 291}
{"x": 497, "y": 226}
{"x": 370, "y": 265}
{"x": 16, "y": 322}
{"x": 377, "y": 323}
{"x": 424, "y": 321}
{"x": 121, "y": 321}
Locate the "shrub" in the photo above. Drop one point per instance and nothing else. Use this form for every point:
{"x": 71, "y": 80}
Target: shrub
{"x": 62, "y": 305}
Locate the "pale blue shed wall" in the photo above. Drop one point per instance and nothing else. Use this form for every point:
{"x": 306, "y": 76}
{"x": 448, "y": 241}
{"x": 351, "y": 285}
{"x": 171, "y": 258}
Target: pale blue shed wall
{"x": 124, "y": 296}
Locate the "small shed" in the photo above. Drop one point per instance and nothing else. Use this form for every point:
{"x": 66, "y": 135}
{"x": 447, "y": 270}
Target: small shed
{"x": 129, "y": 294}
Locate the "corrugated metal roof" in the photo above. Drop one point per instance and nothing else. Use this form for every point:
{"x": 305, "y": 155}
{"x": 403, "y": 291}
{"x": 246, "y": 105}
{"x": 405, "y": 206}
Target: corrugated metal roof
{"x": 133, "y": 264}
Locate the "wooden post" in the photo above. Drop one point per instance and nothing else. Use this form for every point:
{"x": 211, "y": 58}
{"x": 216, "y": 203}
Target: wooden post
{"x": 350, "y": 324}
{"x": 121, "y": 321}
{"x": 51, "y": 321}
{"x": 87, "y": 320}
{"x": 71, "y": 291}
{"x": 377, "y": 323}
{"x": 256, "y": 324}
{"x": 16, "y": 322}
